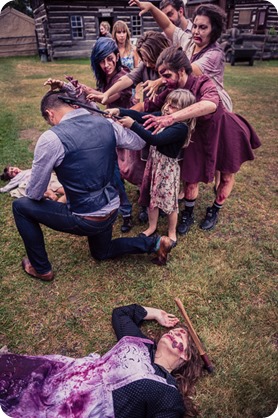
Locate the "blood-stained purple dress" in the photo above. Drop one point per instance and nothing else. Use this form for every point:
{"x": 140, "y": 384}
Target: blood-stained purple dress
{"x": 123, "y": 383}
{"x": 221, "y": 141}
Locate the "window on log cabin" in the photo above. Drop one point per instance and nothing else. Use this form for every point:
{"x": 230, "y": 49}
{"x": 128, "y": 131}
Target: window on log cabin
{"x": 77, "y": 29}
{"x": 244, "y": 18}
{"x": 136, "y": 25}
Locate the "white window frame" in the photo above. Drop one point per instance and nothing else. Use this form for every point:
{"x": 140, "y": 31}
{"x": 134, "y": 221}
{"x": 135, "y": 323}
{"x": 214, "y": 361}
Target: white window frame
{"x": 77, "y": 27}
{"x": 136, "y": 25}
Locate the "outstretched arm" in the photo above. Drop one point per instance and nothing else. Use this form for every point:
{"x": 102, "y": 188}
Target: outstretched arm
{"x": 126, "y": 320}
{"x": 161, "y": 19}
{"x": 201, "y": 108}
{"x": 122, "y": 84}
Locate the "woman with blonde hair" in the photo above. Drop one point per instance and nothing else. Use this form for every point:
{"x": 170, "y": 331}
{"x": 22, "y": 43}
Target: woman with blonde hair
{"x": 161, "y": 181}
{"x": 121, "y": 35}
{"x": 104, "y": 29}
{"x": 128, "y": 53}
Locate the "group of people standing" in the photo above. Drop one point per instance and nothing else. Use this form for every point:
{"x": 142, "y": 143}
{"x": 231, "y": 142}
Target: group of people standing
{"x": 181, "y": 132}
{"x": 183, "y": 125}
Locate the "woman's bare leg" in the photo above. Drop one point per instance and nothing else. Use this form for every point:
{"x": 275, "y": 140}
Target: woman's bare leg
{"x": 217, "y": 177}
{"x": 153, "y": 218}
{"x": 172, "y": 225}
{"x": 191, "y": 191}
{"x": 227, "y": 181}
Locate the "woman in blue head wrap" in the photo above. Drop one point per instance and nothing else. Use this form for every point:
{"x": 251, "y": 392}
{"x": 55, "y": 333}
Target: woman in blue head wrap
{"x": 107, "y": 68}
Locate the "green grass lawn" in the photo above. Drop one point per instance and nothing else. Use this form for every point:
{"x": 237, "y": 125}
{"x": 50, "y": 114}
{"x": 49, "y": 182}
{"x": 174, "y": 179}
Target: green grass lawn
{"x": 225, "y": 278}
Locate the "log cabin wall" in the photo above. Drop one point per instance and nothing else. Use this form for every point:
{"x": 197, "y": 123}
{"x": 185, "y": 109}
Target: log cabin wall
{"x": 69, "y": 29}
{"x": 256, "y": 17}
{"x": 252, "y": 16}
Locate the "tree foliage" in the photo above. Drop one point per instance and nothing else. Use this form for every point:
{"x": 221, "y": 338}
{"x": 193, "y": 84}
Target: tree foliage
{"x": 21, "y": 5}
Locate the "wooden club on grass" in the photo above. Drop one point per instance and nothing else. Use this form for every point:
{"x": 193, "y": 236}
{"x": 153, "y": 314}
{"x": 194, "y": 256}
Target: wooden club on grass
{"x": 192, "y": 332}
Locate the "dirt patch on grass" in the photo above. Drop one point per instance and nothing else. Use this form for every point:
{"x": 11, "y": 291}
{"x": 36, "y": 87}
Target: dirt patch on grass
{"x": 32, "y": 135}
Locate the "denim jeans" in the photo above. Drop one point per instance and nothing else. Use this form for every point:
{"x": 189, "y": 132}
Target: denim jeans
{"x": 29, "y": 214}
{"x": 125, "y": 208}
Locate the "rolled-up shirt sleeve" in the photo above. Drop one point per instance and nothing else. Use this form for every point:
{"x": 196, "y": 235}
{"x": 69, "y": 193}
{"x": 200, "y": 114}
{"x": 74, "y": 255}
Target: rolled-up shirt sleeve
{"x": 136, "y": 75}
{"x": 183, "y": 39}
{"x": 49, "y": 153}
{"x": 125, "y": 138}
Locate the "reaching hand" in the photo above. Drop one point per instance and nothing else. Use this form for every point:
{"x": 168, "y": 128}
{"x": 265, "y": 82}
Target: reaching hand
{"x": 54, "y": 84}
{"x": 95, "y": 97}
{"x": 110, "y": 113}
{"x": 145, "y": 6}
{"x": 105, "y": 98}
{"x": 167, "y": 320}
{"x": 151, "y": 87}
{"x": 126, "y": 122}
{"x": 158, "y": 122}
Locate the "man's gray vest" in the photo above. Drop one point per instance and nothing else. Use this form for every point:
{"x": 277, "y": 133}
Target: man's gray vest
{"x": 87, "y": 169}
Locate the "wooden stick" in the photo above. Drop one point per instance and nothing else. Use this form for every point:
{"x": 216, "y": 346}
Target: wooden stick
{"x": 192, "y": 332}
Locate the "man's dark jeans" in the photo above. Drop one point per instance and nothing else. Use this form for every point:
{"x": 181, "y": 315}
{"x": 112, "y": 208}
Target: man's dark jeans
{"x": 29, "y": 214}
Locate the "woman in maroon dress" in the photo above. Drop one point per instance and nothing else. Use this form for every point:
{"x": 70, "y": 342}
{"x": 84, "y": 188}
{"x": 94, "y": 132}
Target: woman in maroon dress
{"x": 221, "y": 141}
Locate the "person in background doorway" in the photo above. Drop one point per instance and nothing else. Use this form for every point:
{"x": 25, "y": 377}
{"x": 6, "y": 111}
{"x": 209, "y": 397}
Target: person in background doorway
{"x": 104, "y": 29}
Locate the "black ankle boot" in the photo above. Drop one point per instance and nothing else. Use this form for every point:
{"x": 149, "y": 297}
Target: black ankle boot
{"x": 210, "y": 220}
{"x": 143, "y": 215}
{"x": 127, "y": 224}
{"x": 187, "y": 220}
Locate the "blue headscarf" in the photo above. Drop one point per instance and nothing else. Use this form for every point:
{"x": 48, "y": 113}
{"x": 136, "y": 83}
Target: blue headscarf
{"x": 103, "y": 47}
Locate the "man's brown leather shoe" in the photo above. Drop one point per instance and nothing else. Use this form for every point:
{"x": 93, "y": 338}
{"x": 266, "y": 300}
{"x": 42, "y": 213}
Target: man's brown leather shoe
{"x": 29, "y": 269}
{"x": 165, "y": 246}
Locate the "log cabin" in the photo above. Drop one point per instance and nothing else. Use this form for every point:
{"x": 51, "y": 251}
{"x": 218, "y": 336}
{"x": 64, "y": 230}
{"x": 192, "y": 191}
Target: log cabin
{"x": 69, "y": 29}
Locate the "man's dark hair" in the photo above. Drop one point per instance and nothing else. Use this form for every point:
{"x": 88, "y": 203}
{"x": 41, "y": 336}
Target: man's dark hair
{"x": 51, "y": 101}
{"x": 175, "y": 59}
{"x": 177, "y": 4}
{"x": 5, "y": 175}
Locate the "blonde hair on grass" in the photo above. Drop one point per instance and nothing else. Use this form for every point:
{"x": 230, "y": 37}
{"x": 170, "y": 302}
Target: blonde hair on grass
{"x": 118, "y": 26}
{"x": 182, "y": 98}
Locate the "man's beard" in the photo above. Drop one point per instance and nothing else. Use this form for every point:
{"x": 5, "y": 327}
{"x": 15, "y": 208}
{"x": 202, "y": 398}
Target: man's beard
{"x": 178, "y": 22}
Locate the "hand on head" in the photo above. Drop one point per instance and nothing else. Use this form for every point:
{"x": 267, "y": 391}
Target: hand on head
{"x": 54, "y": 84}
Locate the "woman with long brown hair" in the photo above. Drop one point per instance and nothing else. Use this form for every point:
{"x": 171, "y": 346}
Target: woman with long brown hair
{"x": 136, "y": 378}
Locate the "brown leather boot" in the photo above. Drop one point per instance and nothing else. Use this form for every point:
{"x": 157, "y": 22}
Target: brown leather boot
{"x": 29, "y": 269}
{"x": 165, "y": 246}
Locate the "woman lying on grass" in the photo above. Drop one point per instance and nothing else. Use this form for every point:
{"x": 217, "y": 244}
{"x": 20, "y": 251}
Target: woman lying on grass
{"x": 137, "y": 378}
